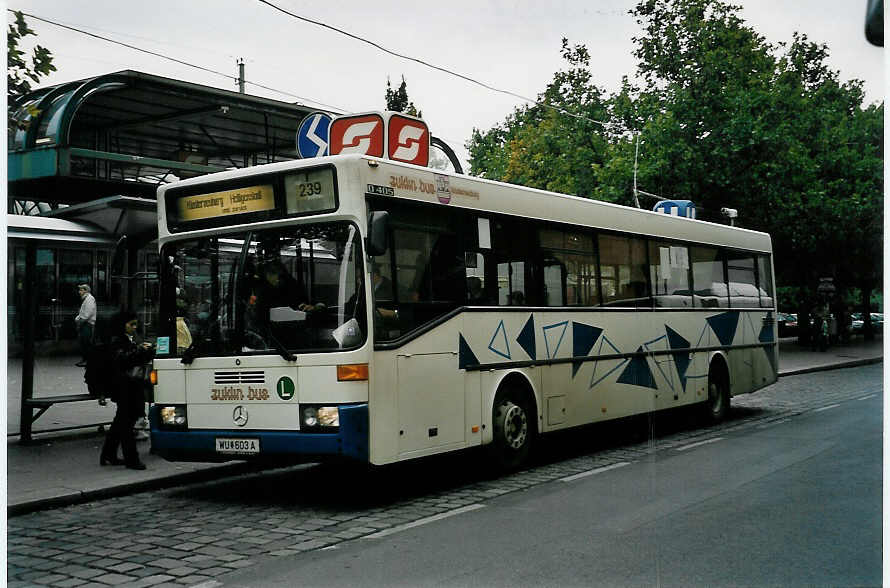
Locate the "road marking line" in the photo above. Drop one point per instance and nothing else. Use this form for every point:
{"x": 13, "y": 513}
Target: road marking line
{"x": 614, "y": 466}
{"x": 424, "y": 521}
{"x": 829, "y": 407}
{"x": 867, "y": 397}
{"x": 700, "y": 443}
{"x": 773, "y": 424}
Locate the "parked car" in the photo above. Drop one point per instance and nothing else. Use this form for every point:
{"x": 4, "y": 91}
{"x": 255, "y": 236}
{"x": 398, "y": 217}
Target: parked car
{"x": 856, "y": 322}
{"x": 877, "y": 320}
{"x": 787, "y": 322}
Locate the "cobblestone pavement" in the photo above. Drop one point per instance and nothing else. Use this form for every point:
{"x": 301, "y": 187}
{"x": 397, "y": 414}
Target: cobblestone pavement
{"x": 193, "y": 535}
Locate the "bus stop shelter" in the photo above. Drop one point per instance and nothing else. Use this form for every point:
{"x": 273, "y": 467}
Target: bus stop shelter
{"x": 89, "y": 157}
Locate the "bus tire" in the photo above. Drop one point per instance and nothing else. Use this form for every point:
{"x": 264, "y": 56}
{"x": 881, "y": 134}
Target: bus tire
{"x": 716, "y": 408}
{"x": 513, "y": 431}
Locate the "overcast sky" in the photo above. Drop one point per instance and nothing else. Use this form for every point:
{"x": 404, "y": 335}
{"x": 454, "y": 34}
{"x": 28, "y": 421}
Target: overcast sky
{"x": 509, "y": 44}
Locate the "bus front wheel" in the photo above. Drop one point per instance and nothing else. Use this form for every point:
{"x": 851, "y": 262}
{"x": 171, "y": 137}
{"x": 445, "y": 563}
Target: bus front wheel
{"x": 513, "y": 431}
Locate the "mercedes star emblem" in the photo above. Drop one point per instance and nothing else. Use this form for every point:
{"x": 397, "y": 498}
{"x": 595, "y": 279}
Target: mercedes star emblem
{"x": 239, "y": 415}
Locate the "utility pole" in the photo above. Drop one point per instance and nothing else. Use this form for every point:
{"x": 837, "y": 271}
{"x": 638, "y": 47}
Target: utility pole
{"x": 241, "y": 74}
{"x": 636, "y": 156}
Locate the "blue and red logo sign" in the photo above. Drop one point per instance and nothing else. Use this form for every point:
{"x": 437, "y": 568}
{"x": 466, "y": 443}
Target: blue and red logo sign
{"x": 390, "y": 134}
{"x": 362, "y": 134}
{"x": 408, "y": 140}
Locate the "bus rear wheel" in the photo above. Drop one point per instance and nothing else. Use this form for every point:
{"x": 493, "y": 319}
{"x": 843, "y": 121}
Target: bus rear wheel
{"x": 513, "y": 431}
{"x": 717, "y": 406}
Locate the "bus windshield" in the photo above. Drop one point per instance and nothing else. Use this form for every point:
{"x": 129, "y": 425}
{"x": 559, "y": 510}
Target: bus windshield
{"x": 279, "y": 290}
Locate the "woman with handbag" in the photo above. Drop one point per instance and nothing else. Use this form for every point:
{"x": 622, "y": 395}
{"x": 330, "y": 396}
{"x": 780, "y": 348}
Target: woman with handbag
{"x": 130, "y": 362}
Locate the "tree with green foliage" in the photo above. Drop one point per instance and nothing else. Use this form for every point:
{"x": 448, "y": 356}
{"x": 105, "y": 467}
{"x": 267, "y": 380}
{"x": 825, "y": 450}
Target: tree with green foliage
{"x": 553, "y": 144}
{"x": 21, "y": 72}
{"x": 725, "y": 119}
{"x": 397, "y": 100}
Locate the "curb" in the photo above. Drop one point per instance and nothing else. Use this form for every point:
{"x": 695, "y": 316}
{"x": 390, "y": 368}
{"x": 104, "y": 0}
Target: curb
{"x": 208, "y": 474}
{"x": 205, "y": 475}
{"x": 832, "y": 366}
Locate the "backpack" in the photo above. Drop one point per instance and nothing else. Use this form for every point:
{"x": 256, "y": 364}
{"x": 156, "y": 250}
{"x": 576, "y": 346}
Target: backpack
{"x": 99, "y": 374}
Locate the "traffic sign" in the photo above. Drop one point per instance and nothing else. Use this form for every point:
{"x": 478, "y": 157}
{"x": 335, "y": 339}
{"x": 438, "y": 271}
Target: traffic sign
{"x": 312, "y": 135}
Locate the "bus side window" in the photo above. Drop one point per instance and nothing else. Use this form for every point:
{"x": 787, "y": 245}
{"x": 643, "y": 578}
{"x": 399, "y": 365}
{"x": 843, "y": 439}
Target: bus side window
{"x": 476, "y": 286}
{"x": 515, "y": 268}
{"x": 623, "y": 270}
{"x": 570, "y": 270}
{"x": 708, "y": 279}
{"x": 742, "y": 280}
{"x": 669, "y": 275}
{"x": 765, "y": 281}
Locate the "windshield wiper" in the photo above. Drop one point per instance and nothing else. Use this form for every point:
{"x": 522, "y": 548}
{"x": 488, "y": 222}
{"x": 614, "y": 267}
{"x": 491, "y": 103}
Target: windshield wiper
{"x": 281, "y": 349}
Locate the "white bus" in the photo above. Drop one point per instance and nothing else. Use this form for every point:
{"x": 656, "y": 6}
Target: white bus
{"x": 355, "y": 307}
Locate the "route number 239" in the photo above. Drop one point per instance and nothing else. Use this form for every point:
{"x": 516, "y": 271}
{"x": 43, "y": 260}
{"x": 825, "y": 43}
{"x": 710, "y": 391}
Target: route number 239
{"x": 308, "y": 189}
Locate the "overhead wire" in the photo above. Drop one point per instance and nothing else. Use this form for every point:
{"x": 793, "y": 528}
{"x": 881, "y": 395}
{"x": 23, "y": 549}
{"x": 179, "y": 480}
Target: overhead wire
{"x": 435, "y": 67}
{"x": 334, "y": 109}
{"x": 178, "y": 61}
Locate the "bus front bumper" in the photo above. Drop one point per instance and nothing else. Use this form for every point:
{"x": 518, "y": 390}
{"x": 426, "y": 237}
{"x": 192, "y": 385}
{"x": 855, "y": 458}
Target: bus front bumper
{"x": 350, "y": 440}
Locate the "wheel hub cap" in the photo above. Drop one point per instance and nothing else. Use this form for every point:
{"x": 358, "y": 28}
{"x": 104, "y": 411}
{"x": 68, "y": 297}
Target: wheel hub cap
{"x": 515, "y": 426}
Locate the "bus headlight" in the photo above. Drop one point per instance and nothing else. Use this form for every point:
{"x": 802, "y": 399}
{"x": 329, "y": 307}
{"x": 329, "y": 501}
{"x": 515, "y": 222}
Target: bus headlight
{"x": 320, "y": 416}
{"x": 328, "y": 416}
{"x": 173, "y": 416}
{"x": 310, "y": 416}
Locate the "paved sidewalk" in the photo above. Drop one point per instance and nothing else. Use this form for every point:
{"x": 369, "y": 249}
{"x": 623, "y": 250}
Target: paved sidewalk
{"x": 58, "y": 470}
{"x": 794, "y": 359}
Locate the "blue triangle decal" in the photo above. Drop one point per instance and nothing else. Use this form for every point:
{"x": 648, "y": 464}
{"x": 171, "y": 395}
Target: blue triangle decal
{"x": 637, "y": 373}
{"x": 503, "y": 346}
{"x": 681, "y": 358}
{"x": 526, "y": 338}
{"x": 465, "y": 355}
{"x": 593, "y": 379}
{"x": 583, "y": 339}
{"x": 767, "y": 334}
{"x": 724, "y": 326}
{"x": 562, "y": 333}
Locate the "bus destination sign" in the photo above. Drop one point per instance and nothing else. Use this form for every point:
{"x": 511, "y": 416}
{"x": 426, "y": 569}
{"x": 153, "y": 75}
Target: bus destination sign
{"x": 219, "y": 204}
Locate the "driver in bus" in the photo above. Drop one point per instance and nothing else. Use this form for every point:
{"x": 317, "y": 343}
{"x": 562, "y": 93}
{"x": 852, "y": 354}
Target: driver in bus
{"x": 279, "y": 289}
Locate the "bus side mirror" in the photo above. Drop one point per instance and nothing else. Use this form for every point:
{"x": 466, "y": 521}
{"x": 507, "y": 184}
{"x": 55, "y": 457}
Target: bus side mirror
{"x": 378, "y": 222}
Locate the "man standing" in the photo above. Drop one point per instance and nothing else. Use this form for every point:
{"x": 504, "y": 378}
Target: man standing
{"x": 85, "y": 321}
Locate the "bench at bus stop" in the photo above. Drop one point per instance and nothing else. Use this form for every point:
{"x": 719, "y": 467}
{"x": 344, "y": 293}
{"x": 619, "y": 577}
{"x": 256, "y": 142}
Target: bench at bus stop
{"x": 43, "y": 404}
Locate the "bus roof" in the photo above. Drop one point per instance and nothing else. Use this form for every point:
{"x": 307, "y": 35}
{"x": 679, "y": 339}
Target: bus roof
{"x": 499, "y": 197}
{"x": 405, "y": 181}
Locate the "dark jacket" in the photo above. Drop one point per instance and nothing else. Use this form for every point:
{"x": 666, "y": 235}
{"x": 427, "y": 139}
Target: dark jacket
{"x": 127, "y": 355}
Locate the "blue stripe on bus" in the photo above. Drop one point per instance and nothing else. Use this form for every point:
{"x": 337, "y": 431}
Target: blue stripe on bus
{"x": 351, "y": 440}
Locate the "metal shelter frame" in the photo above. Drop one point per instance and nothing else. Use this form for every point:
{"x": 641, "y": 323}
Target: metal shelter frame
{"x": 127, "y": 132}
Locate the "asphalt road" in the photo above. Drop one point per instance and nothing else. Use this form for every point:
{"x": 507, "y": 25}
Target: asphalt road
{"x": 793, "y": 502}
{"x": 787, "y": 491}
